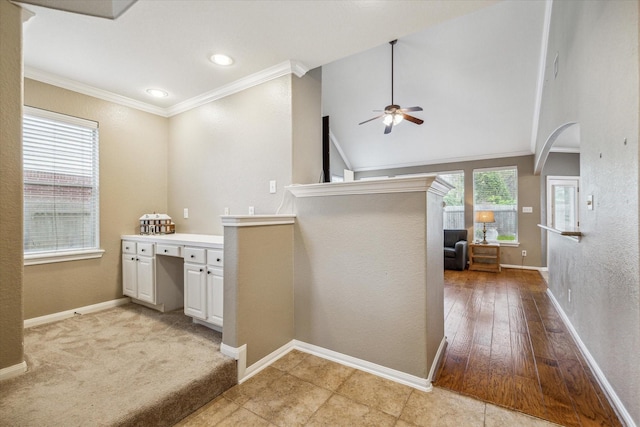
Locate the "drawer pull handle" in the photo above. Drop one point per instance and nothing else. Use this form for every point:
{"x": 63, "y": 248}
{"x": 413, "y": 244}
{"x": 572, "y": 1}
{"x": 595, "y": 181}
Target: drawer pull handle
{"x": 201, "y": 270}
{"x": 142, "y": 250}
{"x": 133, "y": 259}
{"x": 193, "y": 256}
{"x": 218, "y": 259}
{"x": 208, "y": 272}
{"x": 166, "y": 250}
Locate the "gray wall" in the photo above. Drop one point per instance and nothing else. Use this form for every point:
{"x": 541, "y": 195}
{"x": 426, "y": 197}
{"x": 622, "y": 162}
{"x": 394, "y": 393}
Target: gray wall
{"x": 598, "y": 87}
{"x": 557, "y": 164}
{"x": 529, "y": 233}
{"x": 11, "y": 349}
{"x": 133, "y": 181}
{"x": 258, "y": 300}
{"x": 365, "y": 281}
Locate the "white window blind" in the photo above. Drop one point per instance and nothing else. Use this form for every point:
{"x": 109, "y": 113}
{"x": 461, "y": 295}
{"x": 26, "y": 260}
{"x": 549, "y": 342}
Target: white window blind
{"x": 61, "y": 197}
{"x": 496, "y": 190}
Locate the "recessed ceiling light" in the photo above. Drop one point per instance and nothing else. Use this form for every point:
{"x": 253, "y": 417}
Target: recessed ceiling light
{"x": 158, "y": 93}
{"x": 221, "y": 59}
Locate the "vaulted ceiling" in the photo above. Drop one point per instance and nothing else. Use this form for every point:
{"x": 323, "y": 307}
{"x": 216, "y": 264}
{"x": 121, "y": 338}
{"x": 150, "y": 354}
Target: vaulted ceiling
{"x": 472, "y": 65}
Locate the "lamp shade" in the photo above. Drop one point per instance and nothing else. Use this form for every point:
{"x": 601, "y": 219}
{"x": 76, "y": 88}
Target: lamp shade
{"x": 485, "y": 216}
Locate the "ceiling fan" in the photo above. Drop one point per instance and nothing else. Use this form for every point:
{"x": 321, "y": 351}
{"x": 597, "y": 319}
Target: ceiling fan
{"x": 393, "y": 114}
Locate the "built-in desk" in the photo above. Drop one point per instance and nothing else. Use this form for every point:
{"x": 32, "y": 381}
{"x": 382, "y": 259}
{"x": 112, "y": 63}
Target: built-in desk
{"x": 169, "y": 271}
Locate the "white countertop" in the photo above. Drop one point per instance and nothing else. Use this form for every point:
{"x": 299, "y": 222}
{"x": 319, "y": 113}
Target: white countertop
{"x": 199, "y": 240}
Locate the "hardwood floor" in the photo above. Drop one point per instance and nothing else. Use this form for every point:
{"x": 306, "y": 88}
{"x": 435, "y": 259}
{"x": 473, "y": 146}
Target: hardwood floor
{"x": 509, "y": 346}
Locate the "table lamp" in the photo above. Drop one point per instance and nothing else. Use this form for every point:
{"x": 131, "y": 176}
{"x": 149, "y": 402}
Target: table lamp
{"x": 484, "y": 217}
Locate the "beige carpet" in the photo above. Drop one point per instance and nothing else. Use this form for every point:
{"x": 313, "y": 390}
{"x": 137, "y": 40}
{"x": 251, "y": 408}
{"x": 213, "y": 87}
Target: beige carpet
{"x": 123, "y": 366}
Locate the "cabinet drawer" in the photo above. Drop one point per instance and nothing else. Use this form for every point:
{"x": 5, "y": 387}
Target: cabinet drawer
{"x": 145, "y": 249}
{"x": 196, "y": 255}
{"x": 215, "y": 258}
{"x": 128, "y": 247}
{"x": 169, "y": 250}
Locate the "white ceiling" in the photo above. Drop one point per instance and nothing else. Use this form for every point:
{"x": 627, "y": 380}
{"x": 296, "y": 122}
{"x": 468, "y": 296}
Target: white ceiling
{"x": 476, "y": 77}
{"x": 473, "y": 68}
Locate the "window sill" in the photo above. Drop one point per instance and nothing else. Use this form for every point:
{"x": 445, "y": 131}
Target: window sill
{"x": 51, "y": 257}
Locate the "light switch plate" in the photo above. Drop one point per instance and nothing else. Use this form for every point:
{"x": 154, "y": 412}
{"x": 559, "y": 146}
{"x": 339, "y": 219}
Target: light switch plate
{"x": 590, "y": 202}
{"x": 272, "y": 186}
{"x": 527, "y": 209}
{"x": 186, "y": 213}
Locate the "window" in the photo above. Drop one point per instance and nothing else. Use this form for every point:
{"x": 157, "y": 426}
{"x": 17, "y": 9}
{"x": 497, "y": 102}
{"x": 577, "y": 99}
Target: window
{"x": 562, "y": 202}
{"x": 453, "y": 212}
{"x": 496, "y": 190}
{"x": 60, "y": 163}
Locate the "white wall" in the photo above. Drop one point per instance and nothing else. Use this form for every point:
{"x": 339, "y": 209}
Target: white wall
{"x": 598, "y": 86}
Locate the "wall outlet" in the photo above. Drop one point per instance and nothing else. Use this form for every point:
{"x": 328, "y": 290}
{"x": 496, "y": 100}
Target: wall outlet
{"x": 527, "y": 209}
{"x": 226, "y": 211}
{"x": 185, "y": 213}
{"x": 272, "y": 186}
{"x": 524, "y": 253}
{"x": 252, "y": 210}
{"x": 569, "y": 295}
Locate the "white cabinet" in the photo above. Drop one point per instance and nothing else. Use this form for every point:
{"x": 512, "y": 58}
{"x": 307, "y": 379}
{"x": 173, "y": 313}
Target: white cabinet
{"x": 215, "y": 295}
{"x": 195, "y": 291}
{"x": 204, "y": 284}
{"x": 138, "y": 271}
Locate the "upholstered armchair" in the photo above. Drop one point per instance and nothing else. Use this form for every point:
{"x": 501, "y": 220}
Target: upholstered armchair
{"x": 455, "y": 249}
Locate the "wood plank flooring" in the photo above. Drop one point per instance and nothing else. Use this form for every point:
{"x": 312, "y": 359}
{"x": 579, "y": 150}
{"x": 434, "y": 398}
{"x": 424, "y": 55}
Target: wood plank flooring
{"x": 508, "y": 345}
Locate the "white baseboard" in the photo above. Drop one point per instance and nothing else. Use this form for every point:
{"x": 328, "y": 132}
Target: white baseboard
{"x": 28, "y": 323}
{"x": 423, "y": 384}
{"x": 522, "y": 267}
{"x": 614, "y": 400}
{"x": 13, "y": 371}
{"x": 244, "y": 373}
{"x": 437, "y": 360}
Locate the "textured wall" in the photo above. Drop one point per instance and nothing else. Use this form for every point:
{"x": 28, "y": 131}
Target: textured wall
{"x": 360, "y": 278}
{"x": 258, "y": 309}
{"x": 528, "y": 195}
{"x": 598, "y": 87}
{"x": 11, "y": 185}
{"x": 133, "y": 181}
{"x": 223, "y": 154}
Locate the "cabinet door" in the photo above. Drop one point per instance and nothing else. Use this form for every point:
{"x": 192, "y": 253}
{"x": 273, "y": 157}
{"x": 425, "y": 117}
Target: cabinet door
{"x": 215, "y": 295}
{"x": 129, "y": 279}
{"x": 146, "y": 274}
{"x": 195, "y": 291}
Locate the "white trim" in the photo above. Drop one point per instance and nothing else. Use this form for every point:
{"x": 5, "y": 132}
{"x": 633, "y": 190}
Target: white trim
{"x": 444, "y": 161}
{"x": 256, "y": 220}
{"x": 13, "y": 371}
{"x": 614, "y": 400}
{"x": 437, "y": 359}
{"x": 564, "y": 150}
{"x": 544, "y": 47}
{"x": 271, "y": 73}
{"x": 287, "y": 67}
{"x": 389, "y": 185}
{"x": 522, "y": 267}
{"x": 266, "y": 361}
{"x": 52, "y": 115}
{"x": 51, "y": 257}
{"x": 52, "y": 79}
{"x": 239, "y": 354}
{"x": 422, "y": 384}
{"x": 28, "y": 323}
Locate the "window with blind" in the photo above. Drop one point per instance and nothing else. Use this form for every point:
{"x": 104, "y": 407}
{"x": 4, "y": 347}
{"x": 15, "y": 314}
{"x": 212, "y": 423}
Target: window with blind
{"x": 496, "y": 190}
{"x": 453, "y": 212}
{"x": 61, "y": 199}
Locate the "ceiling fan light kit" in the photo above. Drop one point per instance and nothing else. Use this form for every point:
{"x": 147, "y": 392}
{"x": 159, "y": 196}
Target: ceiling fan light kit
{"x": 394, "y": 114}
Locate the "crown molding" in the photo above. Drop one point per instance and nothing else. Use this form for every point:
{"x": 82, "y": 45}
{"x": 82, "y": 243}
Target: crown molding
{"x": 282, "y": 69}
{"x": 52, "y": 79}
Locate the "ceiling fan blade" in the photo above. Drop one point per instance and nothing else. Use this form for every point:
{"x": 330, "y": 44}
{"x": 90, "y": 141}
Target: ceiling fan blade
{"x": 413, "y": 119}
{"x": 388, "y": 128}
{"x": 370, "y": 120}
{"x": 406, "y": 110}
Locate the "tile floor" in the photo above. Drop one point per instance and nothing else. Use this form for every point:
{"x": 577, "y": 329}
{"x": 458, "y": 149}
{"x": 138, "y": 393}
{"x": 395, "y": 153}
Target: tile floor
{"x": 302, "y": 389}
